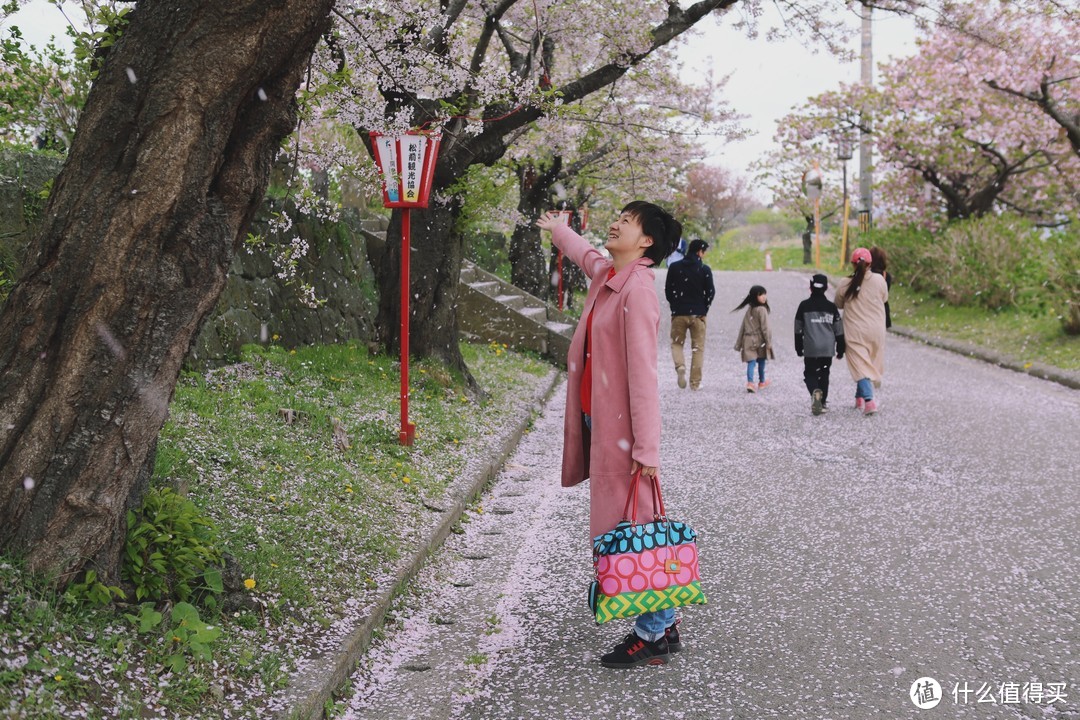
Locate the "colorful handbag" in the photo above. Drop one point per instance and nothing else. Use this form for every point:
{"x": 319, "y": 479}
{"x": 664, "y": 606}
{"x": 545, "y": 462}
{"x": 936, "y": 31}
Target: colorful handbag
{"x": 644, "y": 568}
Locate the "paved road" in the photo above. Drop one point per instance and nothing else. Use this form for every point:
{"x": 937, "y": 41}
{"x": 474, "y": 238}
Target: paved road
{"x": 844, "y": 556}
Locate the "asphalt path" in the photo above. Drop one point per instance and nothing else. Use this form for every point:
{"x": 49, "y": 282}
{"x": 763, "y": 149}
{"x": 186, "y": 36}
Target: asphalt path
{"x": 845, "y": 557}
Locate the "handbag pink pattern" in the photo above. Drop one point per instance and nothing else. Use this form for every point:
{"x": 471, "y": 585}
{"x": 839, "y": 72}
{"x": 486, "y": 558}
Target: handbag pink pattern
{"x": 647, "y": 567}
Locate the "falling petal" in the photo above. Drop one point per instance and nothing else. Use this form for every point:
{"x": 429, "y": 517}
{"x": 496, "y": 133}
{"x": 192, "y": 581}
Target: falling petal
{"x": 28, "y": 483}
{"x": 264, "y": 333}
{"x": 262, "y": 94}
{"x": 624, "y": 444}
{"x": 131, "y": 75}
{"x": 114, "y": 345}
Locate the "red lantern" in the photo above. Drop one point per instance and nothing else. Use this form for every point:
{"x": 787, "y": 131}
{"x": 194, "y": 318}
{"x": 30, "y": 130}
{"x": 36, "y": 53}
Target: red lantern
{"x": 407, "y": 164}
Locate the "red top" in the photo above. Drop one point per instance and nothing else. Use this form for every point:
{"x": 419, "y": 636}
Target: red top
{"x": 586, "y": 377}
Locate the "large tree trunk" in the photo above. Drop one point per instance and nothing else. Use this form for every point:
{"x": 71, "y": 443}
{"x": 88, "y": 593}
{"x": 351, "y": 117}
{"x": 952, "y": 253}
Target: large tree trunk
{"x": 528, "y": 266}
{"x": 171, "y": 158}
{"x": 433, "y": 283}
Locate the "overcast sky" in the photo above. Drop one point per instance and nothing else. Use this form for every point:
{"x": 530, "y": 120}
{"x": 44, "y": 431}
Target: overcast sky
{"x": 769, "y": 78}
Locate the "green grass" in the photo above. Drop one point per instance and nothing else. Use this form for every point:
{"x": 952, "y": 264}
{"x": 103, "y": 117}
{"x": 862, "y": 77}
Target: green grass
{"x": 1027, "y": 336}
{"x": 1021, "y": 335}
{"x": 316, "y": 526}
{"x": 732, "y": 253}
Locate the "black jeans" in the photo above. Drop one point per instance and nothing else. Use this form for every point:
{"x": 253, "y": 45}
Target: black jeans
{"x": 816, "y": 375}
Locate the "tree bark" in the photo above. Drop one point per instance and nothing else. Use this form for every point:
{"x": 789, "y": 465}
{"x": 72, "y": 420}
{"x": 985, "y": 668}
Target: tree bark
{"x": 435, "y": 266}
{"x": 171, "y": 157}
{"x": 528, "y": 266}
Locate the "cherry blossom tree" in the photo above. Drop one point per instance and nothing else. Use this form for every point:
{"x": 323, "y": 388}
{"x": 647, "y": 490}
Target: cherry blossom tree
{"x": 951, "y": 144}
{"x": 712, "y": 199}
{"x": 940, "y": 125}
{"x": 1044, "y": 71}
{"x": 479, "y": 73}
{"x": 169, "y": 162}
{"x": 632, "y": 141}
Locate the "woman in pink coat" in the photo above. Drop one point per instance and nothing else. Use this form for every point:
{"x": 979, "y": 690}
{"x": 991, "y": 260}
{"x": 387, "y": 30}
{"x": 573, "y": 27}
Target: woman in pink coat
{"x": 612, "y": 425}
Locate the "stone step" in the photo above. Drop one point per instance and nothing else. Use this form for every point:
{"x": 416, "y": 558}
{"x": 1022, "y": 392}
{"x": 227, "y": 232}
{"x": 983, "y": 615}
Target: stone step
{"x": 488, "y": 287}
{"x": 514, "y": 301}
{"x": 493, "y": 310}
{"x": 559, "y": 327}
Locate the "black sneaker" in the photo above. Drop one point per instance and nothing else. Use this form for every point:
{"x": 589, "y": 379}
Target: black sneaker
{"x": 818, "y": 404}
{"x": 671, "y": 634}
{"x": 634, "y": 651}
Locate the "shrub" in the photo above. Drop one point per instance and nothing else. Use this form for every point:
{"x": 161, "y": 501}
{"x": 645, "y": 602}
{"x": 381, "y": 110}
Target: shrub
{"x": 171, "y": 550}
{"x": 992, "y": 262}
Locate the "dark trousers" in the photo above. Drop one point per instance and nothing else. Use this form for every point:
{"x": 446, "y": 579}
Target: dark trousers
{"x": 816, "y": 375}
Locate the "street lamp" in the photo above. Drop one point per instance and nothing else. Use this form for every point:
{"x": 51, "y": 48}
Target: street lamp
{"x": 407, "y": 166}
{"x": 843, "y": 154}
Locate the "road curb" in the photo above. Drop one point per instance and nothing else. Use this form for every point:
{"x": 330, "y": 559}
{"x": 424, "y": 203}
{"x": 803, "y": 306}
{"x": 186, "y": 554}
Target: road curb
{"x": 1040, "y": 370}
{"x": 310, "y": 690}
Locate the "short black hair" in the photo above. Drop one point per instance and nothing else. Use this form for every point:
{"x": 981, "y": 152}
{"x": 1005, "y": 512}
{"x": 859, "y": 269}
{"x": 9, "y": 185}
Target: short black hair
{"x": 697, "y": 246}
{"x": 657, "y": 223}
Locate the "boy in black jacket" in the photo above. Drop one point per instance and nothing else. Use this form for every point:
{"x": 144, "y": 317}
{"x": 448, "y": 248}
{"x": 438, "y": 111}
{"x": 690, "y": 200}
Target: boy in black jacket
{"x": 818, "y": 331}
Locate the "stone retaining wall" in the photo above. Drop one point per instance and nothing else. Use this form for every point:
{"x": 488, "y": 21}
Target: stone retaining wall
{"x": 256, "y": 305}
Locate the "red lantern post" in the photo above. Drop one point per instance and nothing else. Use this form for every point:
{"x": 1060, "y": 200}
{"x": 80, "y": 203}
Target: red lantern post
{"x": 407, "y": 165}
{"x": 566, "y": 216}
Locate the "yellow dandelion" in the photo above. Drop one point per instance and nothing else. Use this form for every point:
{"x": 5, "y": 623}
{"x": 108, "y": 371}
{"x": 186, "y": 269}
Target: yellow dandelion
{"x": 274, "y": 565}
{"x": 273, "y": 499}
{"x": 58, "y": 677}
{"x": 176, "y": 639}
{"x": 348, "y": 488}
{"x": 406, "y": 480}
{"x": 249, "y": 583}
{"x": 292, "y": 352}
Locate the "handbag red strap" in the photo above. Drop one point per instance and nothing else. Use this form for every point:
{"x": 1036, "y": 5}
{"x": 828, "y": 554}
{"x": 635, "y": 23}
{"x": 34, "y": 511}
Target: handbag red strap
{"x": 630, "y": 508}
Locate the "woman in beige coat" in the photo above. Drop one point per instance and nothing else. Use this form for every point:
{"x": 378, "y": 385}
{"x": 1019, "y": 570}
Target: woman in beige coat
{"x": 862, "y": 297}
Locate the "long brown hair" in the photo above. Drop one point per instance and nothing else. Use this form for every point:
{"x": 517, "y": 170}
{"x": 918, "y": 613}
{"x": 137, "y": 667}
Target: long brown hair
{"x": 857, "y": 277}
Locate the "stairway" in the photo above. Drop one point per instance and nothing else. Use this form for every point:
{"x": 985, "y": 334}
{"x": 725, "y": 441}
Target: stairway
{"x": 493, "y": 310}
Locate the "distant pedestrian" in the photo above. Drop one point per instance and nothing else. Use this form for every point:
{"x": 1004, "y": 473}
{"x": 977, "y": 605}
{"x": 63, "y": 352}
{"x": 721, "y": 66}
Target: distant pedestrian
{"x": 862, "y": 297}
{"x": 819, "y": 332}
{"x": 879, "y": 263}
{"x": 678, "y": 252}
{"x": 612, "y": 360}
{"x": 690, "y": 291}
{"x": 755, "y": 337}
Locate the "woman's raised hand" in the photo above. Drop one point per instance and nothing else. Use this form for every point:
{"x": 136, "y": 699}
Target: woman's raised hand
{"x": 549, "y": 221}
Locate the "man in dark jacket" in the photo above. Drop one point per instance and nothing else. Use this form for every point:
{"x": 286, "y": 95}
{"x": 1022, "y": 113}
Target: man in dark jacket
{"x": 690, "y": 291}
{"x": 818, "y": 331}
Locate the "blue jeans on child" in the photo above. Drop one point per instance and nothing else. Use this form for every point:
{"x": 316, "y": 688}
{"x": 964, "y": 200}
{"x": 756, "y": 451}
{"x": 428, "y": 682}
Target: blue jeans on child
{"x": 864, "y": 389}
{"x": 760, "y": 363}
{"x": 651, "y": 626}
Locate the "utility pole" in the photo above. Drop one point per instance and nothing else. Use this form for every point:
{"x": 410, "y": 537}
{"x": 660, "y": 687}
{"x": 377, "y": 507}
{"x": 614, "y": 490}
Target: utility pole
{"x": 866, "y": 158}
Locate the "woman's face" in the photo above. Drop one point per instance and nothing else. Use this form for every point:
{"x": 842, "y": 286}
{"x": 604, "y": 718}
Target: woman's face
{"x": 625, "y": 236}
{"x": 763, "y": 298}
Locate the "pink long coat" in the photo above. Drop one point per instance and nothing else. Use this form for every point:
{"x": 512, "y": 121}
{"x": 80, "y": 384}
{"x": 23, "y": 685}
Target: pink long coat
{"x": 626, "y": 399}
